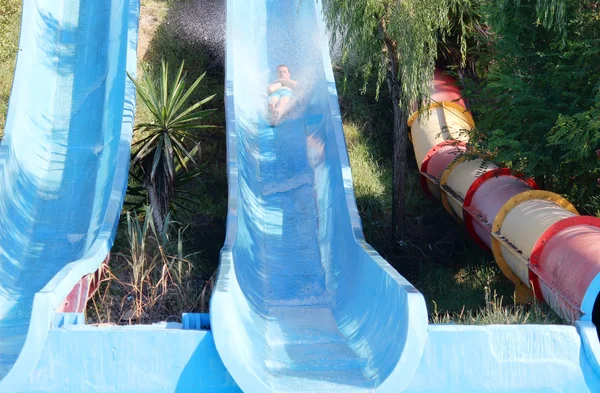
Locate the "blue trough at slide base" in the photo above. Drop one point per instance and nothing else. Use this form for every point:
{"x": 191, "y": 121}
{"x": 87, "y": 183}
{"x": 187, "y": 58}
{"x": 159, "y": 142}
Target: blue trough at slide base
{"x": 302, "y": 302}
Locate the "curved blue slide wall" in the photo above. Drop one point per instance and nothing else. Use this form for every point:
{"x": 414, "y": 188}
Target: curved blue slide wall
{"x": 302, "y": 302}
{"x": 63, "y": 163}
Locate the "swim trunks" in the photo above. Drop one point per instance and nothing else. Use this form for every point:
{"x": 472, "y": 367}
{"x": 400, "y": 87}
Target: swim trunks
{"x": 282, "y": 93}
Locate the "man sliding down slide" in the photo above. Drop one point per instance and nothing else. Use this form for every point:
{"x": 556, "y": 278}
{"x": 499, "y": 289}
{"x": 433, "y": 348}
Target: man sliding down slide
{"x": 281, "y": 92}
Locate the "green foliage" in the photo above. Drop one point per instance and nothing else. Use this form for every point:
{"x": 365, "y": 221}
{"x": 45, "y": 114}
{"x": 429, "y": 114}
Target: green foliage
{"x": 163, "y": 149}
{"x": 539, "y": 109}
{"x": 552, "y": 14}
{"x": 466, "y": 39}
{"x": 368, "y": 30}
{"x": 397, "y": 42}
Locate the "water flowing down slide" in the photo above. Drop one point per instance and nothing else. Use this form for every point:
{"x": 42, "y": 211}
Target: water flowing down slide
{"x": 63, "y": 163}
{"x": 302, "y": 303}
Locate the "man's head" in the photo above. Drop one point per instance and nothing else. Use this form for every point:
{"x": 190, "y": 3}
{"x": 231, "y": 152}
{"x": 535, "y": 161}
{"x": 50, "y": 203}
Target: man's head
{"x": 283, "y": 71}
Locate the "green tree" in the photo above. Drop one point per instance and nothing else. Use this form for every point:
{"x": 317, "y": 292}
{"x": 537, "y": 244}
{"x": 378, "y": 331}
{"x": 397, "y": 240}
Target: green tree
{"x": 538, "y": 111}
{"x": 167, "y": 144}
{"x": 468, "y": 38}
{"x": 394, "y": 41}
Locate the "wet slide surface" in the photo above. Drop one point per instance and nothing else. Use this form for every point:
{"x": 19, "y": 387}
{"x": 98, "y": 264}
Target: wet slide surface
{"x": 298, "y": 302}
{"x": 63, "y": 162}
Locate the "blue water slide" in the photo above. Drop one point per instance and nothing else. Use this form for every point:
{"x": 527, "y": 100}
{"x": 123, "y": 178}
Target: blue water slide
{"x": 302, "y": 303}
{"x": 63, "y": 163}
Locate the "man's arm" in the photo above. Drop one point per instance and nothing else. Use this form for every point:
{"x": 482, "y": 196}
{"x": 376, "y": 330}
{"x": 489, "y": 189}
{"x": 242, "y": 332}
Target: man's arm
{"x": 273, "y": 87}
{"x": 289, "y": 83}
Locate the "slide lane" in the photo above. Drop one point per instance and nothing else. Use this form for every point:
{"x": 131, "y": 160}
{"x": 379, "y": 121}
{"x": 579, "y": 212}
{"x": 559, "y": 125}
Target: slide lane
{"x": 297, "y": 305}
{"x": 63, "y": 163}
{"x": 538, "y": 238}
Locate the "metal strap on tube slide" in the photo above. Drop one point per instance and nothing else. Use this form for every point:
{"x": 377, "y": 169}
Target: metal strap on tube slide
{"x": 446, "y": 191}
{"x": 469, "y": 215}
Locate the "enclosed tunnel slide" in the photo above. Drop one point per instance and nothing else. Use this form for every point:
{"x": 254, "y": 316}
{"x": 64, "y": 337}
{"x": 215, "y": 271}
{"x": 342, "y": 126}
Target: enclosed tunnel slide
{"x": 63, "y": 165}
{"x": 297, "y": 304}
{"x": 538, "y": 239}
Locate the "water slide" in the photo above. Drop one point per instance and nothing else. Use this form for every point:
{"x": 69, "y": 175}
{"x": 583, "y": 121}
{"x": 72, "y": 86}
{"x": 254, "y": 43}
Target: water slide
{"x": 63, "y": 165}
{"x": 302, "y": 303}
{"x": 298, "y": 301}
{"x": 537, "y": 237}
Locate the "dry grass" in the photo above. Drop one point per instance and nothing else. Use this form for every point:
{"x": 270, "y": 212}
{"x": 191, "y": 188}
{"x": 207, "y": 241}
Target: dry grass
{"x": 10, "y": 21}
{"x": 370, "y": 179}
{"x": 496, "y": 312}
{"x": 153, "y": 281}
{"x": 152, "y": 14}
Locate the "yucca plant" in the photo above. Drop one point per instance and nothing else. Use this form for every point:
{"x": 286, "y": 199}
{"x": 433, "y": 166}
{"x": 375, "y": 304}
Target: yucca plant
{"x": 168, "y": 143}
{"x": 182, "y": 201}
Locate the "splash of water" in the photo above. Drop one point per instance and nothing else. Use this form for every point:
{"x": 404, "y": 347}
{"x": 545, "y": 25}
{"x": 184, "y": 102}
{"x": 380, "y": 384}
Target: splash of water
{"x": 202, "y": 24}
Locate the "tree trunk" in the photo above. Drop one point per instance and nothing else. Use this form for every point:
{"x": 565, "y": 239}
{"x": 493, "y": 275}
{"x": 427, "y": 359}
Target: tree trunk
{"x": 155, "y": 206}
{"x": 400, "y": 133}
{"x": 399, "y": 161}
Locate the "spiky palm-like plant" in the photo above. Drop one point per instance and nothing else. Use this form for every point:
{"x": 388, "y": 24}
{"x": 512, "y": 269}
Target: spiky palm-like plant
{"x": 165, "y": 142}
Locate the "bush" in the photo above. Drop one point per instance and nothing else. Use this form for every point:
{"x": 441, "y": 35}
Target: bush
{"x": 538, "y": 111}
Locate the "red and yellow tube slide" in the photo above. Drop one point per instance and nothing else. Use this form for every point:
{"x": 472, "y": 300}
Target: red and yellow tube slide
{"x": 538, "y": 238}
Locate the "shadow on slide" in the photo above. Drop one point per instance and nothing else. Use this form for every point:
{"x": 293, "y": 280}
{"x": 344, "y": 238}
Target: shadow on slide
{"x": 302, "y": 303}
